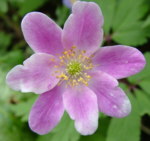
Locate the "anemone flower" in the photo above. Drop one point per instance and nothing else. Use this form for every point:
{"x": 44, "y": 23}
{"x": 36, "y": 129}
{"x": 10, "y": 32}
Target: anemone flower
{"x": 70, "y": 72}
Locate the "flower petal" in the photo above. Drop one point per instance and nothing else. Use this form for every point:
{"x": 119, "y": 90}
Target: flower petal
{"x": 119, "y": 61}
{"x": 41, "y": 33}
{"x": 36, "y": 75}
{"x": 111, "y": 99}
{"x": 47, "y": 111}
{"x": 83, "y": 27}
{"x": 81, "y": 104}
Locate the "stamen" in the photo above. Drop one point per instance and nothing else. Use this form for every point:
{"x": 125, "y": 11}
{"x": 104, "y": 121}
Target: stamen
{"x": 52, "y": 59}
{"x": 76, "y": 66}
{"x": 63, "y": 76}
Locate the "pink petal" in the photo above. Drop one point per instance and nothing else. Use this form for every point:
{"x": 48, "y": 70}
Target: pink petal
{"x": 111, "y": 99}
{"x": 81, "y": 104}
{"x": 119, "y": 61}
{"x": 36, "y": 75}
{"x": 83, "y": 27}
{"x": 47, "y": 111}
{"x": 41, "y": 33}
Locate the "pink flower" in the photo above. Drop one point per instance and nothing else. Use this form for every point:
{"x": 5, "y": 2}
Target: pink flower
{"x": 71, "y": 72}
{"x": 69, "y": 3}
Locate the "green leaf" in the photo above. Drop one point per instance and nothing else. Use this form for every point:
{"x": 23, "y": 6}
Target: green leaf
{"x": 23, "y": 108}
{"x": 65, "y": 131}
{"x": 127, "y": 24}
{"x": 147, "y": 22}
{"x": 146, "y": 25}
{"x": 108, "y": 8}
{"x": 122, "y": 129}
{"x": 133, "y": 35}
{"x": 143, "y": 101}
{"x": 125, "y": 129}
{"x": 127, "y": 14}
{"x": 124, "y": 22}
{"x": 11, "y": 127}
{"x": 145, "y": 85}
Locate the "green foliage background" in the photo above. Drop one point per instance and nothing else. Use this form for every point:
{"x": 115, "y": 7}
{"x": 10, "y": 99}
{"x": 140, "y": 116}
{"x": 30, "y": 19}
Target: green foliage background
{"x": 126, "y": 22}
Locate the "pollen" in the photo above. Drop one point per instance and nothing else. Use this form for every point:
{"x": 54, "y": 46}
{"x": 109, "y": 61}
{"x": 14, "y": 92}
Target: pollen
{"x": 76, "y": 66}
{"x": 63, "y": 76}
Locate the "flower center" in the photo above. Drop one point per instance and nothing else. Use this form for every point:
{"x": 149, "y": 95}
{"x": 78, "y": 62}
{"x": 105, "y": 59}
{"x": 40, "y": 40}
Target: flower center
{"x": 76, "y": 66}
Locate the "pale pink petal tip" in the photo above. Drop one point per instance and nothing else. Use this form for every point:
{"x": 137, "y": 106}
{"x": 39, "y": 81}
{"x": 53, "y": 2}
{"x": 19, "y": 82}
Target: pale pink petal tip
{"x": 41, "y": 33}
{"x": 81, "y": 105}
{"x": 117, "y": 104}
{"x": 111, "y": 99}
{"x": 36, "y": 75}
{"x": 119, "y": 61}
{"x": 83, "y": 28}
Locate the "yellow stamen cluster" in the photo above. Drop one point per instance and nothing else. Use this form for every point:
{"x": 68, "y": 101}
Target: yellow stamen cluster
{"x": 76, "y": 65}
{"x": 74, "y": 68}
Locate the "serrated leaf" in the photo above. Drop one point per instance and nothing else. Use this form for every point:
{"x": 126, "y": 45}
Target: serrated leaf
{"x": 143, "y": 101}
{"x": 133, "y": 35}
{"x": 65, "y": 131}
{"x": 127, "y": 14}
{"x": 127, "y": 24}
{"x": 128, "y": 128}
{"x": 122, "y": 20}
{"x": 125, "y": 129}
